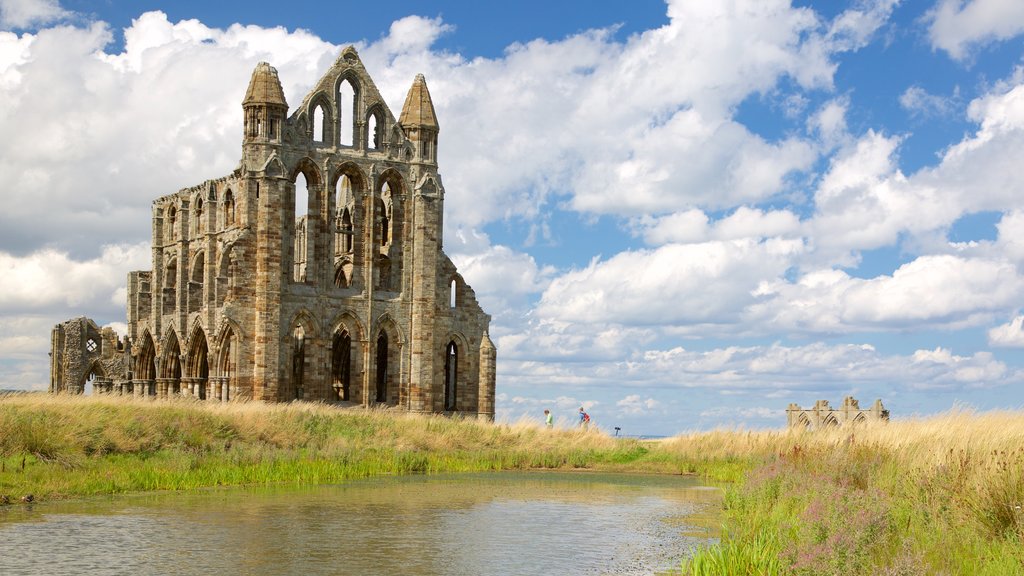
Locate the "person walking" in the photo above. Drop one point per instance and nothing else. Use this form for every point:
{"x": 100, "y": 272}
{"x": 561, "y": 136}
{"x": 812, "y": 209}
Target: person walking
{"x": 549, "y": 418}
{"x": 584, "y": 419}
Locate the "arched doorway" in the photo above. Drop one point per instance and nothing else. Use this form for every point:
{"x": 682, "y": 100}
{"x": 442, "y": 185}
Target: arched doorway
{"x": 198, "y": 364}
{"x": 382, "y": 368}
{"x": 341, "y": 365}
{"x": 298, "y": 361}
{"x": 451, "y": 377}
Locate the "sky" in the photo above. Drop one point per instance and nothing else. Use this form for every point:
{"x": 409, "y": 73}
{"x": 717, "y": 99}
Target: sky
{"x": 681, "y": 215}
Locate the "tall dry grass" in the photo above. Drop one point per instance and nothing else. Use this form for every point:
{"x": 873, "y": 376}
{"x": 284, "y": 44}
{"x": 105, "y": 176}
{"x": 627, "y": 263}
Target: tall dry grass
{"x": 67, "y": 445}
{"x": 919, "y": 496}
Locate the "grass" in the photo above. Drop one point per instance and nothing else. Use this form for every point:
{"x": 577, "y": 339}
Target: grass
{"x": 57, "y": 447}
{"x": 932, "y": 496}
{"x": 940, "y": 495}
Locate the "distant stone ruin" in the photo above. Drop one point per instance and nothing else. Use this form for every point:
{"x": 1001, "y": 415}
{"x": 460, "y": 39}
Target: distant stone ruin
{"x": 823, "y": 415}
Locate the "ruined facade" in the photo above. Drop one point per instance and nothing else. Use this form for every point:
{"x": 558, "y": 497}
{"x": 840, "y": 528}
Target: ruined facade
{"x": 823, "y": 415}
{"x": 337, "y": 290}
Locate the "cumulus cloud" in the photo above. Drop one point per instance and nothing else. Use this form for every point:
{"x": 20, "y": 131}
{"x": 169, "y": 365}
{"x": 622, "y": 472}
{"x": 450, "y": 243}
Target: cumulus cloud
{"x": 29, "y": 13}
{"x": 1009, "y": 335}
{"x": 958, "y": 26}
{"x": 634, "y": 404}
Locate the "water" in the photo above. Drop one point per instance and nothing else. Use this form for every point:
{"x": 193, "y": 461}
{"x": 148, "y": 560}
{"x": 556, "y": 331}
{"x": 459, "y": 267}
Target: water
{"x": 474, "y": 524}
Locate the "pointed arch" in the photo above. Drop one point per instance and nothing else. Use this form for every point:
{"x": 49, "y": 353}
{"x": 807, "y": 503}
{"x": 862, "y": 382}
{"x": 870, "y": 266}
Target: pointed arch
{"x": 170, "y": 224}
{"x": 306, "y": 182}
{"x": 375, "y": 129}
{"x": 386, "y": 358}
{"x": 303, "y": 329}
{"x": 145, "y": 363}
{"x": 197, "y": 215}
{"x": 321, "y": 113}
{"x": 348, "y": 96}
{"x": 170, "y": 363}
{"x": 830, "y": 420}
{"x": 346, "y": 375}
{"x": 229, "y": 208}
{"x": 198, "y": 364}
{"x": 451, "y": 376}
{"x": 227, "y": 363}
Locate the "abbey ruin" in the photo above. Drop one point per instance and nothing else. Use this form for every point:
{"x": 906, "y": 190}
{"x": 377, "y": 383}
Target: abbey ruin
{"x": 823, "y": 415}
{"x": 337, "y": 290}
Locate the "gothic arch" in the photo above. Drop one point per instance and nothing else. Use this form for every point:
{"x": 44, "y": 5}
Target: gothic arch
{"x": 322, "y": 101}
{"x": 145, "y": 363}
{"x": 386, "y": 345}
{"x": 274, "y": 167}
{"x": 226, "y": 367}
{"x": 376, "y": 127}
{"x": 456, "y": 367}
{"x": 348, "y": 112}
{"x": 197, "y": 365}
{"x": 170, "y": 362}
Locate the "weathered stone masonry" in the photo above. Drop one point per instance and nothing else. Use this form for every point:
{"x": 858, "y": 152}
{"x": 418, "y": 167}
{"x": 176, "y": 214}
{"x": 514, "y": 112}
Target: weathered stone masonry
{"x": 344, "y": 295}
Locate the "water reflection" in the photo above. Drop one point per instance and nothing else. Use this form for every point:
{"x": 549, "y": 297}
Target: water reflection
{"x": 508, "y": 523}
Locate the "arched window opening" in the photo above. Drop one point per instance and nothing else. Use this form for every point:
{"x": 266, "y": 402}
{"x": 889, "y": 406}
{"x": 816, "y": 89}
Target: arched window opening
{"x": 382, "y": 222}
{"x": 346, "y": 232}
{"x": 343, "y": 275}
{"x": 346, "y": 112}
{"x": 301, "y": 219}
{"x": 229, "y": 209}
{"x": 344, "y": 202}
{"x": 318, "y": 124}
{"x": 199, "y": 216}
{"x": 341, "y": 365}
{"x": 373, "y": 132}
{"x": 452, "y": 294}
{"x": 172, "y": 217}
{"x": 298, "y": 361}
{"x": 382, "y": 368}
{"x": 451, "y": 377}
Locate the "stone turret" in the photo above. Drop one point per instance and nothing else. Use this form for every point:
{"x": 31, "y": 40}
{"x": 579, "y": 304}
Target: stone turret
{"x": 264, "y": 105}
{"x": 420, "y": 122}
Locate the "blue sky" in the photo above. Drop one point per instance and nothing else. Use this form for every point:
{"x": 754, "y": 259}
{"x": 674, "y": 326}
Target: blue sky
{"x": 680, "y": 214}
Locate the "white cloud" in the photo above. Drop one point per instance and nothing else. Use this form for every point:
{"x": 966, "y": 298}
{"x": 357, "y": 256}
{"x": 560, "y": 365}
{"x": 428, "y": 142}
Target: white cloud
{"x": 48, "y": 279}
{"x": 958, "y": 26}
{"x": 635, "y": 405}
{"x": 1009, "y": 335}
{"x": 29, "y": 13}
{"x": 919, "y": 102}
{"x": 673, "y": 284}
{"x": 943, "y": 291}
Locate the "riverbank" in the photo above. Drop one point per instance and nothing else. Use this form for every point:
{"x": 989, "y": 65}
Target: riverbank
{"x": 66, "y": 446}
{"x": 941, "y": 495}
